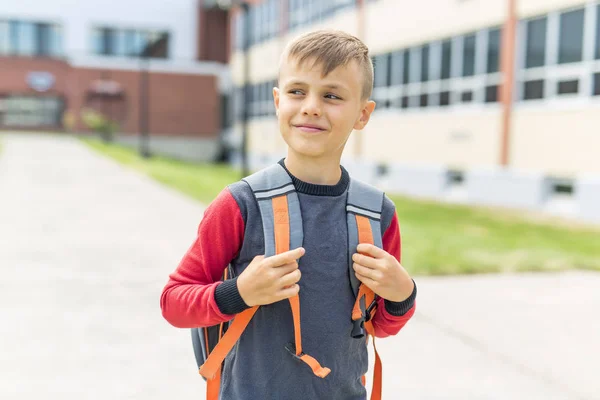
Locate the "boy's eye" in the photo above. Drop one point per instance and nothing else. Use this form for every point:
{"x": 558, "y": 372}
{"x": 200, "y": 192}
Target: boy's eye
{"x": 295, "y": 91}
{"x": 332, "y": 96}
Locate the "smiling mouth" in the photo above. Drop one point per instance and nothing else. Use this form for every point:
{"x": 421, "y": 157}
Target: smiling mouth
{"x": 309, "y": 128}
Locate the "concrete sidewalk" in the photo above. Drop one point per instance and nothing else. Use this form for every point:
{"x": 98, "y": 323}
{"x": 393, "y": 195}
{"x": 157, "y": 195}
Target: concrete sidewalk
{"x": 86, "y": 247}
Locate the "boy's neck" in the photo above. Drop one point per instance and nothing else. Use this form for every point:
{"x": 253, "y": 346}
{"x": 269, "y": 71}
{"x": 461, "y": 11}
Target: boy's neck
{"x": 315, "y": 171}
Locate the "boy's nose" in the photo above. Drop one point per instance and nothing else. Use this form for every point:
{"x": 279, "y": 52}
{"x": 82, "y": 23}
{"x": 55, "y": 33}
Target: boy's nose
{"x": 311, "y": 107}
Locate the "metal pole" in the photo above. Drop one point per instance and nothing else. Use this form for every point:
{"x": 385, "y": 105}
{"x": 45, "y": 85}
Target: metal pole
{"x": 144, "y": 91}
{"x": 246, "y": 113}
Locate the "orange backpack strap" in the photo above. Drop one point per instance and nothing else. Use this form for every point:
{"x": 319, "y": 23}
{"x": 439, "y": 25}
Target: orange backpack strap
{"x": 364, "y": 208}
{"x": 281, "y": 224}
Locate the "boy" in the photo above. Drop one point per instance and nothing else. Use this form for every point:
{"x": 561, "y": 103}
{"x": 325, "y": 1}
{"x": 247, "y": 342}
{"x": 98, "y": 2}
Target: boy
{"x": 325, "y": 80}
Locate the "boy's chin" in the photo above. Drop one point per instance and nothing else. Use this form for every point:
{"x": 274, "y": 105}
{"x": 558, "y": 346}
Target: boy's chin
{"x": 306, "y": 151}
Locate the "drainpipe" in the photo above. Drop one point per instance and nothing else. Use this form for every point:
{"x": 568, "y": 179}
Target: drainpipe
{"x": 508, "y": 74}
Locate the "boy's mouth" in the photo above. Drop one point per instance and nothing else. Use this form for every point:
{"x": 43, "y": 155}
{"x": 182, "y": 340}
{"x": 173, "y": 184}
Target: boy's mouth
{"x": 309, "y": 128}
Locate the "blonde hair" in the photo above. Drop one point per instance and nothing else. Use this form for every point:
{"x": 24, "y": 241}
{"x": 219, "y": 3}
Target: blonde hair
{"x": 331, "y": 49}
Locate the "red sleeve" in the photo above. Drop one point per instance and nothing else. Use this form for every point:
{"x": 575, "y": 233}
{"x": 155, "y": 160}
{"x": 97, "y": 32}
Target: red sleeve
{"x": 188, "y": 299}
{"x": 386, "y": 324}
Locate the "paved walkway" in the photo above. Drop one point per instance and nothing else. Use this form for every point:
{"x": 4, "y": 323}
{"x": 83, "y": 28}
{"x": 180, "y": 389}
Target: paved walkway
{"x": 86, "y": 247}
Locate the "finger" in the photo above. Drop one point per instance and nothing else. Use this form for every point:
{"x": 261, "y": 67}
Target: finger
{"x": 371, "y": 284}
{"x": 291, "y": 278}
{"x": 285, "y": 269}
{"x": 371, "y": 250}
{"x": 288, "y": 292}
{"x": 365, "y": 271}
{"x": 366, "y": 261}
{"x": 285, "y": 258}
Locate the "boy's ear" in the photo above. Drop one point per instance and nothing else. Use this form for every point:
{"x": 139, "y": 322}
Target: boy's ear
{"x": 365, "y": 115}
{"x": 276, "y": 100}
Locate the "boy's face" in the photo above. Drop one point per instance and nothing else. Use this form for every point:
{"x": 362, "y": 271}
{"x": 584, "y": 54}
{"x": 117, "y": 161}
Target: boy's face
{"x": 317, "y": 114}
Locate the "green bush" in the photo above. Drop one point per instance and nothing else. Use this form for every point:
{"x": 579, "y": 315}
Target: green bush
{"x": 99, "y": 123}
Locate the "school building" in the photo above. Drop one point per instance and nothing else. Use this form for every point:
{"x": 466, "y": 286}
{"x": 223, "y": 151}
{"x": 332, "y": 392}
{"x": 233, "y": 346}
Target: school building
{"x": 441, "y": 128}
{"x": 154, "y": 68}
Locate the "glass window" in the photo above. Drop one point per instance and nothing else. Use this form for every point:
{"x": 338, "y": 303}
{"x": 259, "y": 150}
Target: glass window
{"x": 466, "y": 96}
{"x": 415, "y": 64}
{"x": 13, "y": 32}
{"x": 27, "y": 38}
{"x": 4, "y": 37}
{"x": 597, "y": 84}
{"x": 381, "y": 70}
{"x": 493, "y": 53}
{"x": 568, "y": 87}
{"x": 406, "y": 67}
{"x": 121, "y": 43}
{"x": 491, "y": 94}
{"x": 139, "y": 42}
{"x": 42, "y": 40}
{"x": 108, "y": 41}
{"x": 570, "y": 41}
{"x": 404, "y": 102}
{"x": 32, "y": 111}
{"x": 396, "y": 68}
{"x": 534, "y": 90}
{"x": 536, "y": 43}
{"x": 425, "y": 63}
{"x": 56, "y": 41}
{"x": 469, "y": 55}
{"x": 598, "y": 32}
{"x": 446, "y": 58}
{"x": 444, "y": 99}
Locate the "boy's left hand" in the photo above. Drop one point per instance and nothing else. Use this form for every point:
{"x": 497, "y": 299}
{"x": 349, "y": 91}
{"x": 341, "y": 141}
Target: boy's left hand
{"x": 382, "y": 273}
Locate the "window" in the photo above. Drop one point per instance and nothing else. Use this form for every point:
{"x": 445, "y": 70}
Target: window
{"x": 24, "y": 35}
{"x": 491, "y": 94}
{"x": 568, "y": 87}
{"x": 570, "y": 42}
{"x": 493, "y": 53}
{"x": 406, "y": 67}
{"x": 396, "y": 68}
{"x": 466, "y": 96}
{"x": 4, "y": 37}
{"x": 444, "y": 98}
{"x": 381, "y": 70}
{"x": 28, "y": 111}
{"x": 425, "y": 63}
{"x": 469, "y": 55}
{"x": 259, "y": 100}
{"x": 534, "y": 90}
{"x": 30, "y": 38}
{"x": 536, "y": 43}
{"x": 130, "y": 42}
{"x": 240, "y": 31}
{"x": 598, "y": 32}
{"x": 446, "y": 58}
{"x": 596, "y": 91}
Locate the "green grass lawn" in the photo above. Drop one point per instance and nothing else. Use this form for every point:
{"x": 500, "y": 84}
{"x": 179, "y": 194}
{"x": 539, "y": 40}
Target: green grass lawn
{"x": 437, "y": 238}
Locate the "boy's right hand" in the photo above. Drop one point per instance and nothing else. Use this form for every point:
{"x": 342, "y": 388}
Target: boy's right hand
{"x": 268, "y": 280}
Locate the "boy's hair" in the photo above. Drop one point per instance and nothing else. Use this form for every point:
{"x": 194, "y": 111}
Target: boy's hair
{"x": 331, "y": 49}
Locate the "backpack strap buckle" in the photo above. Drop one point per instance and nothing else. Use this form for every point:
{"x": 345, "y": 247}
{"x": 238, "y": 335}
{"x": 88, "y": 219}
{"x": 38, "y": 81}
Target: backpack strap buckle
{"x": 369, "y": 311}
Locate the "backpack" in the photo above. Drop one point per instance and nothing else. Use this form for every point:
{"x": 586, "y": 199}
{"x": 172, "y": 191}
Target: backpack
{"x": 279, "y": 206}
